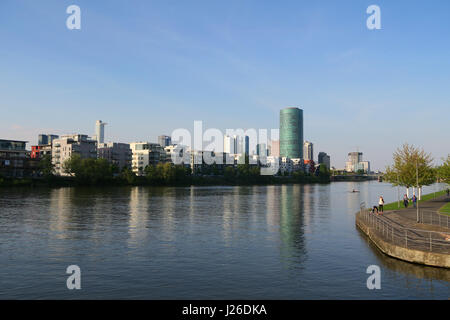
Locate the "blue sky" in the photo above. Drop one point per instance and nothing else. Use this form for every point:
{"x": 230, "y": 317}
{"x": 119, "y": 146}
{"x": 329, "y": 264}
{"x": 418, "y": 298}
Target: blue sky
{"x": 149, "y": 67}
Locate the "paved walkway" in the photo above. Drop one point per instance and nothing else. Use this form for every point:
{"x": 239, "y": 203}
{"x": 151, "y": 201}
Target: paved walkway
{"x": 407, "y": 218}
{"x": 400, "y": 227}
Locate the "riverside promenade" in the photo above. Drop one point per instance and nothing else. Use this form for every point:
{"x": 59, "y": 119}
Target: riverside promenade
{"x": 398, "y": 234}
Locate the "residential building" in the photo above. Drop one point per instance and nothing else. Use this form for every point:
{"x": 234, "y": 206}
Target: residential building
{"x": 67, "y": 145}
{"x": 274, "y": 148}
{"x": 164, "y": 141}
{"x": 144, "y": 154}
{"x": 100, "y": 131}
{"x": 324, "y": 159}
{"x": 308, "y": 151}
{"x": 13, "y": 158}
{"x": 118, "y": 154}
{"x": 291, "y": 133}
{"x": 35, "y": 152}
{"x": 46, "y": 139}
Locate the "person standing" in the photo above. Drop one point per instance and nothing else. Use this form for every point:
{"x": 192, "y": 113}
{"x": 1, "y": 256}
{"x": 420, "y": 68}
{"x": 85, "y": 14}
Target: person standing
{"x": 448, "y": 192}
{"x": 414, "y": 201}
{"x": 381, "y": 205}
{"x": 405, "y": 201}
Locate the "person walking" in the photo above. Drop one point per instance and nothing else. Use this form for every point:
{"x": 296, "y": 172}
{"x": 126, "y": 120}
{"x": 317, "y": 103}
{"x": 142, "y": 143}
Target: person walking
{"x": 414, "y": 201}
{"x": 405, "y": 201}
{"x": 381, "y": 205}
{"x": 448, "y": 192}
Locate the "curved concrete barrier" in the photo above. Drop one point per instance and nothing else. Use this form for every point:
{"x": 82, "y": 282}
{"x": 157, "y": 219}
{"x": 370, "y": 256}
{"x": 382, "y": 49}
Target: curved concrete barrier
{"x": 411, "y": 255}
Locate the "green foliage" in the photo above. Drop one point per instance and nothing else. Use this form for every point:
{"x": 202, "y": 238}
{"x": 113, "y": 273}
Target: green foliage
{"x": 407, "y": 161}
{"x": 88, "y": 171}
{"x": 128, "y": 175}
{"x": 443, "y": 172}
{"x": 166, "y": 174}
{"x": 46, "y": 166}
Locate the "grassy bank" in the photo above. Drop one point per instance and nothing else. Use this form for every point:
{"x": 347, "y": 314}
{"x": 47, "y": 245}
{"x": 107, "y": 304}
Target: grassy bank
{"x": 445, "y": 209}
{"x": 426, "y": 197}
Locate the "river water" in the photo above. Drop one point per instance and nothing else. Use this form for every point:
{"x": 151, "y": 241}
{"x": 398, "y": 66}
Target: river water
{"x": 246, "y": 242}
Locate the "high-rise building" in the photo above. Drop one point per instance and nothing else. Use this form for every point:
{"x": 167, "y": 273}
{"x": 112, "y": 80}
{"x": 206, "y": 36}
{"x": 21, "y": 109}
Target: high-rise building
{"x": 355, "y": 163}
{"x": 261, "y": 150}
{"x": 164, "y": 141}
{"x": 246, "y": 149}
{"x": 291, "y": 133}
{"x": 324, "y": 159}
{"x": 66, "y": 146}
{"x": 44, "y": 139}
{"x": 229, "y": 144}
{"x": 100, "y": 131}
{"x": 308, "y": 150}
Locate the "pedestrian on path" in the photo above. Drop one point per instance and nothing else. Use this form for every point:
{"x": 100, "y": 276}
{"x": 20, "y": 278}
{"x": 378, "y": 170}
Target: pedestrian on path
{"x": 381, "y": 205}
{"x": 448, "y": 192}
{"x": 405, "y": 201}
{"x": 414, "y": 201}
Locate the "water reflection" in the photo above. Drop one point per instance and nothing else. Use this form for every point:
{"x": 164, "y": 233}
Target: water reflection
{"x": 292, "y": 209}
{"x": 199, "y": 242}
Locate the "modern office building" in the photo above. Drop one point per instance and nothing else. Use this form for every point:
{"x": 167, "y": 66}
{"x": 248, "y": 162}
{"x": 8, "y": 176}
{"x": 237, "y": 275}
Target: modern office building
{"x": 291, "y": 133}
{"x": 45, "y": 139}
{"x": 144, "y": 154}
{"x": 355, "y": 163}
{"x": 246, "y": 145}
{"x": 67, "y": 145}
{"x": 164, "y": 141}
{"x": 118, "y": 154}
{"x": 13, "y": 158}
{"x": 261, "y": 150}
{"x": 229, "y": 144}
{"x": 100, "y": 131}
{"x": 324, "y": 158}
{"x": 308, "y": 150}
{"x": 236, "y": 144}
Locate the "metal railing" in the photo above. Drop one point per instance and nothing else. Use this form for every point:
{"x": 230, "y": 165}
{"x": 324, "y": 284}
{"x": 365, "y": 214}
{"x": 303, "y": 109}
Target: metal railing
{"x": 434, "y": 218}
{"x": 430, "y": 241}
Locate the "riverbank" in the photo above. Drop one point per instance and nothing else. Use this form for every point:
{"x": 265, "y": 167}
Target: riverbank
{"x": 397, "y": 233}
{"x": 194, "y": 180}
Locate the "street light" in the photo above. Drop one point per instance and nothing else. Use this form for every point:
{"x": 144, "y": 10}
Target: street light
{"x": 417, "y": 177}
{"x": 398, "y": 192}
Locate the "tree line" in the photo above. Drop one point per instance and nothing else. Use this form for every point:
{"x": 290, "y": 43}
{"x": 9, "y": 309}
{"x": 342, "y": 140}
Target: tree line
{"x": 413, "y": 168}
{"x": 90, "y": 171}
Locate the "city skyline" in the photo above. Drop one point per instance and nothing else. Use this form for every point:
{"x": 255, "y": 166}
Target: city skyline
{"x": 148, "y": 69}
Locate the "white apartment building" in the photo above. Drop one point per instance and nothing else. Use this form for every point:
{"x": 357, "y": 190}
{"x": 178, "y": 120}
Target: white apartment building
{"x": 144, "y": 154}
{"x": 66, "y": 146}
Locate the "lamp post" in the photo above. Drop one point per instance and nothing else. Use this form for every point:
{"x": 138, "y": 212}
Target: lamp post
{"x": 398, "y": 192}
{"x": 417, "y": 177}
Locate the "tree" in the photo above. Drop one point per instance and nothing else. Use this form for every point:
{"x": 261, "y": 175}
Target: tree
{"x": 408, "y": 163}
{"x": 88, "y": 171}
{"x": 46, "y": 166}
{"x": 443, "y": 171}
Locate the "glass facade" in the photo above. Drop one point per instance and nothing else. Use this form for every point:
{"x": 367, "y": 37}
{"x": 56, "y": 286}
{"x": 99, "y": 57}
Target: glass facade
{"x": 12, "y": 145}
{"x": 291, "y": 133}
